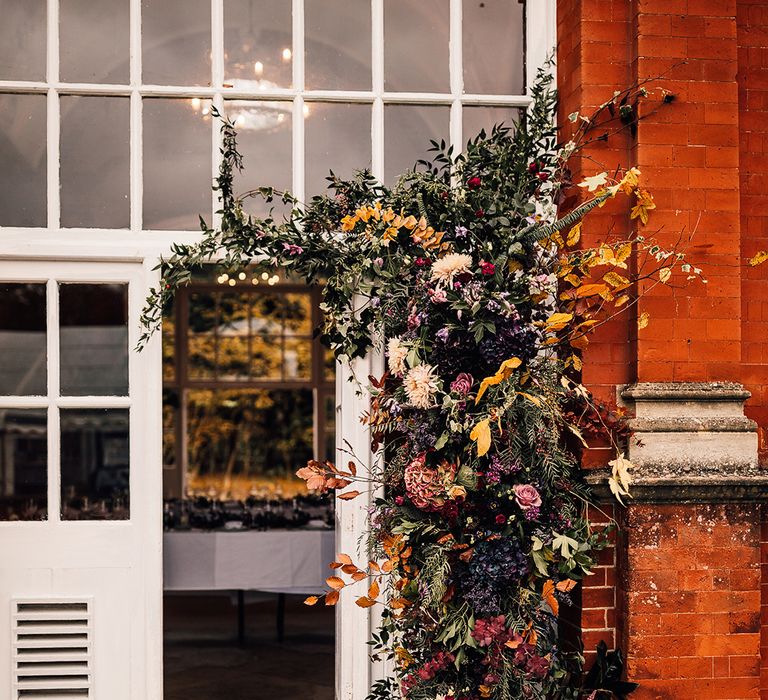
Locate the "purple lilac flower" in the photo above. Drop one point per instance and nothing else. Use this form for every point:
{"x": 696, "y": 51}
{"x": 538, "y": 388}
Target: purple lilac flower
{"x": 499, "y": 468}
{"x": 443, "y": 334}
{"x": 460, "y": 231}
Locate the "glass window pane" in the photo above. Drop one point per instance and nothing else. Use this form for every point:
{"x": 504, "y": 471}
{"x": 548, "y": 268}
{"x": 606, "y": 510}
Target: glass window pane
{"x": 337, "y": 45}
{"x": 266, "y": 357}
{"x": 95, "y": 464}
{"x": 233, "y": 330}
{"x": 22, "y": 340}
{"x": 23, "y": 464}
{"x": 95, "y": 156}
{"x": 494, "y": 62}
{"x": 22, "y": 40}
{"x": 297, "y": 314}
{"x": 258, "y": 43}
{"x": 169, "y": 342}
{"x": 23, "y": 155}
{"x": 201, "y": 341}
{"x": 408, "y": 129}
{"x": 176, "y": 42}
{"x": 177, "y": 163}
{"x": 93, "y": 38}
{"x": 479, "y": 118}
{"x": 94, "y": 339}
{"x": 416, "y": 45}
{"x": 242, "y": 440}
{"x": 264, "y": 139}
{"x": 330, "y": 427}
{"x": 338, "y": 138}
{"x": 297, "y": 359}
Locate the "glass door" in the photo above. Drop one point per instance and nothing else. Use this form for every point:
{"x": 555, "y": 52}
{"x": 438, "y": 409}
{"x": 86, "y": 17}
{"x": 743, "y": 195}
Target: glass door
{"x": 79, "y": 483}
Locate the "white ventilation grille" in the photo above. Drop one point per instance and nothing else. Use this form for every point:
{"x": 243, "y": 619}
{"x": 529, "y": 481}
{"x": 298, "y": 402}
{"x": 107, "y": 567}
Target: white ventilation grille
{"x": 52, "y": 642}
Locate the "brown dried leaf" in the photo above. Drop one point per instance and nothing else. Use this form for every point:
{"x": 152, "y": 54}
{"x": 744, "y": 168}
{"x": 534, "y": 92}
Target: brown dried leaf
{"x": 331, "y": 598}
{"x": 335, "y": 582}
{"x": 311, "y": 600}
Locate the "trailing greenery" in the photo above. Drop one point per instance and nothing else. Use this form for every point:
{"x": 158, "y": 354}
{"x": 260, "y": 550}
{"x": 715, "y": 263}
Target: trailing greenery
{"x": 483, "y": 299}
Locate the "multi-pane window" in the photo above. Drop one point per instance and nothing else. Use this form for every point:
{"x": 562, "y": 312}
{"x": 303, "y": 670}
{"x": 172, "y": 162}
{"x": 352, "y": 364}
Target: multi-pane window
{"x": 105, "y": 107}
{"x": 64, "y": 399}
{"x": 248, "y": 389}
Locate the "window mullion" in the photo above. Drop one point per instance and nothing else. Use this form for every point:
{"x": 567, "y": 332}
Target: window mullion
{"x": 54, "y": 419}
{"x": 377, "y": 76}
{"x": 456, "y": 73}
{"x": 298, "y": 103}
{"x": 53, "y": 126}
{"x": 135, "y": 167}
{"x": 217, "y": 70}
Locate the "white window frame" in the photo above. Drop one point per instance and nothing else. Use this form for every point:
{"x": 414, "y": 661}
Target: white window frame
{"x": 354, "y": 671}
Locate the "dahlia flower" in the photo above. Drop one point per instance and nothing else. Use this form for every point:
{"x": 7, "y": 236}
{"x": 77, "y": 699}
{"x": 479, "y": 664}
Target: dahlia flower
{"x": 396, "y": 354}
{"x": 420, "y": 385}
{"x": 446, "y": 268}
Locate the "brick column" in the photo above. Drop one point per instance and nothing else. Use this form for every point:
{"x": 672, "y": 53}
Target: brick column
{"x": 688, "y": 597}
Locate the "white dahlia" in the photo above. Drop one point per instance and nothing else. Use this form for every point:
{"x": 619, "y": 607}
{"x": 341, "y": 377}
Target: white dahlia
{"x": 396, "y": 354}
{"x": 420, "y": 385}
{"x": 446, "y": 268}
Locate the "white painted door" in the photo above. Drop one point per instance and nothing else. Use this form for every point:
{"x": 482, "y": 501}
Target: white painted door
{"x": 80, "y": 484}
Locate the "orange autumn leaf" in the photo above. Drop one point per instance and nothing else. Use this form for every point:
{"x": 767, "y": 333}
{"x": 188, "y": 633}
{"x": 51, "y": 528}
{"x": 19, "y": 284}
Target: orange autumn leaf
{"x": 344, "y": 558}
{"x": 548, "y": 593}
{"x": 335, "y": 582}
{"x": 331, "y": 598}
{"x": 374, "y": 567}
{"x": 590, "y": 290}
{"x": 566, "y": 585}
{"x": 348, "y": 496}
{"x": 364, "y": 602}
{"x": 373, "y": 590}
{"x": 349, "y": 569}
{"x": 359, "y": 576}
{"x": 311, "y": 600}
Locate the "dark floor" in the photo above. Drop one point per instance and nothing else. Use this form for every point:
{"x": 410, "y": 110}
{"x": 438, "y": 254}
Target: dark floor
{"x": 203, "y": 660}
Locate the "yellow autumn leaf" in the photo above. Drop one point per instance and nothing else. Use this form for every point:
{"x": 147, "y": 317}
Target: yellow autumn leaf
{"x": 558, "y": 321}
{"x": 573, "y": 235}
{"x": 364, "y": 602}
{"x": 623, "y": 299}
{"x": 615, "y": 279}
{"x": 664, "y": 274}
{"x": 590, "y": 290}
{"x": 504, "y": 372}
{"x": 759, "y": 258}
{"x": 644, "y": 204}
{"x": 481, "y": 434}
{"x": 535, "y": 400}
{"x": 642, "y": 320}
{"x": 577, "y": 363}
{"x": 623, "y": 252}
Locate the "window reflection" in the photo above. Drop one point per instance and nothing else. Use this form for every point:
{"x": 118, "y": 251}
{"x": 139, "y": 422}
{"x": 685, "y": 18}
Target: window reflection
{"x": 408, "y": 130}
{"x": 493, "y": 47}
{"x": 485, "y": 118}
{"x": 176, "y": 140}
{"x": 23, "y": 464}
{"x": 337, "y": 45}
{"x": 22, "y": 340}
{"x": 94, "y": 161}
{"x": 22, "y": 40}
{"x": 95, "y": 471}
{"x": 338, "y": 138}
{"x": 176, "y": 42}
{"x": 254, "y": 436}
{"x": 94, "y": 41}
{"x": 94, "y": 339}
{"x": 258, "y": 43}
{"x": 23, "y": 155}
{"x": 416, "y": 45}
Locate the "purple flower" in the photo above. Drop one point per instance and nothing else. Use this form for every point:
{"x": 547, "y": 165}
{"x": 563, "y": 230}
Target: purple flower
{"x": 379, "y": 262}
{"x": 460, "y": 231}
{"x": 527, "y": 496}
{"x": 443, "y": 334}
{"x": 292, "y": 249}
{"x": 462, "y": 385}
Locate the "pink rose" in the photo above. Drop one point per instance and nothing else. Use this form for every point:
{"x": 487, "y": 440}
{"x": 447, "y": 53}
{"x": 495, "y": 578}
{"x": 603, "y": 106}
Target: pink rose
{"x": 527, "y": 496}
{"x": 462, "y": 385}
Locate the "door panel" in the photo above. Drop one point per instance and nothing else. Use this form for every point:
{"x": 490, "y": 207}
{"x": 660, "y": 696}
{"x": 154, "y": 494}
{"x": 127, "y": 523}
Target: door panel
{"x": 86, "y": 530}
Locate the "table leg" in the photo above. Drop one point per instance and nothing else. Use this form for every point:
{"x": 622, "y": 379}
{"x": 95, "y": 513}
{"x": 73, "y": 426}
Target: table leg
{"x": 241, "y": 618}
{"x": 280, "y": 617}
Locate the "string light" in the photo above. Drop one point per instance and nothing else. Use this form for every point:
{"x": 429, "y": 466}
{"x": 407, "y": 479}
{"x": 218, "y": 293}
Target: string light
{"x": 287, "y": 54}
{"x": 258, "y": 68}
{"x": 241, "y": 276}
{"x": 232, "y": 283}
{"x": 265, "y": 275}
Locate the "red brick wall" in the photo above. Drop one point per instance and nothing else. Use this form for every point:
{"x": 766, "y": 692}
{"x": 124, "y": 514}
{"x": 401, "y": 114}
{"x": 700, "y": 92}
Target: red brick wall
{"x": 688, "y": 584}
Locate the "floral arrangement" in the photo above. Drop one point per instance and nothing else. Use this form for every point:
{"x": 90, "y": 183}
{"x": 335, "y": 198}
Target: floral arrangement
{"x": 482, "y": 298}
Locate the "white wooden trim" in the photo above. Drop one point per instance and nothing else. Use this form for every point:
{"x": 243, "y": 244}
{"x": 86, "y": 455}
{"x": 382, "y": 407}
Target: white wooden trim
{"x": 540, "y": 35}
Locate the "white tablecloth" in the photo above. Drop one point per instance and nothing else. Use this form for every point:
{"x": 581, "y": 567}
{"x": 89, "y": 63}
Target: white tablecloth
{"x": 275, "y": 561}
